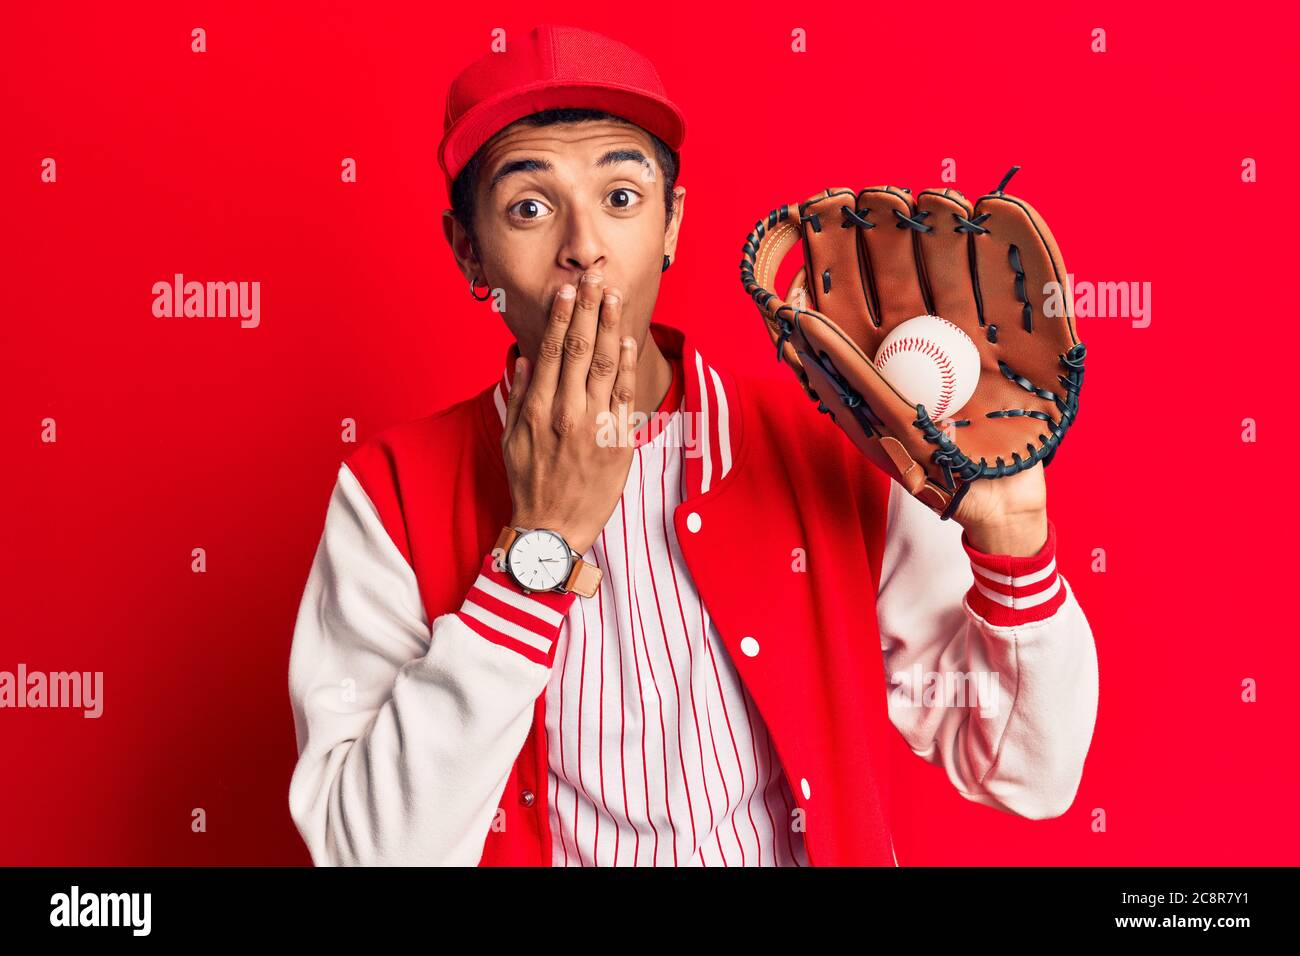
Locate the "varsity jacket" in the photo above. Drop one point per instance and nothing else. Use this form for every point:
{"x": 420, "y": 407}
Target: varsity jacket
{"x": 417, "y": 673}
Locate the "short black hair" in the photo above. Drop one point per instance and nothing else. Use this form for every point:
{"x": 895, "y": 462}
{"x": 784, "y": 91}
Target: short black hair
{"x": 465, "y": 183}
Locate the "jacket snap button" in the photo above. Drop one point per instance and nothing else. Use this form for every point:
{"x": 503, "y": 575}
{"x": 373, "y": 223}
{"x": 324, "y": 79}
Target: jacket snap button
{"x": 526, "y": 798}
{"x": 693, "y": 522}
{"x": 749, "y": 646}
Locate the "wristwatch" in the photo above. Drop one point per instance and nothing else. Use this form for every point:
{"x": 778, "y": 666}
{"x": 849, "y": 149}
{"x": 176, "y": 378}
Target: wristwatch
{"x": 541, "y": 560}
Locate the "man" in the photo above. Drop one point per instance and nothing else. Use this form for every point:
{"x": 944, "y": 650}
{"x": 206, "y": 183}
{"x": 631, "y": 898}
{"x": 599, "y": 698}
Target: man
{"x": 540, "y": 629}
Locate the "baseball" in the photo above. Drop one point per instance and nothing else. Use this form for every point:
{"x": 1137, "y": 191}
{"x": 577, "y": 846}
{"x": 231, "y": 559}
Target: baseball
{"x": 931, "y": 362}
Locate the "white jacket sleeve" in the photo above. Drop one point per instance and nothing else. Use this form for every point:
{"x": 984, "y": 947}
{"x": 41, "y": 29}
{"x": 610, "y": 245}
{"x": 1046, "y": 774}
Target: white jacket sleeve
{"x": 991, "y": 664}
{"x": 406, "y": 734}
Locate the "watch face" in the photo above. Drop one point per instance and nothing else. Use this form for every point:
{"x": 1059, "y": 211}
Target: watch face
{"x": 539, "y": 560}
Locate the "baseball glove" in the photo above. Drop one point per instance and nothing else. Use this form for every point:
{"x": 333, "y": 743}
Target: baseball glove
{"x": 876, "y": 258}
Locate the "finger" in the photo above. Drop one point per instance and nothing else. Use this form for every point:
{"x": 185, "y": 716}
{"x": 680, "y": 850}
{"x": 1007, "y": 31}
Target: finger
{"x": 836, "y": 281}
{"x": 945, "y": 258}
{"x": 623, "y": 391}
{"x": 605, "y": 354}
{"x": 578, "y": 342}
{"x": 889, "y": 254}
{"x": 1017, "y": 264}
{"x": 550, "y": 353}
{"x": 518, "y": 387}
{"x": 1021, "y": 276}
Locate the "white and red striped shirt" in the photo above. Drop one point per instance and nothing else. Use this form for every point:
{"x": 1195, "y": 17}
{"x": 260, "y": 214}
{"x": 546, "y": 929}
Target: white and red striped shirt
{"x": 657, "y": 753}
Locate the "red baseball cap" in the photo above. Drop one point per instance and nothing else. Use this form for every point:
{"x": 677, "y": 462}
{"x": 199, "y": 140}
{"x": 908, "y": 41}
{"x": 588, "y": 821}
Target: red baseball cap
{"x": 553, "y": 67}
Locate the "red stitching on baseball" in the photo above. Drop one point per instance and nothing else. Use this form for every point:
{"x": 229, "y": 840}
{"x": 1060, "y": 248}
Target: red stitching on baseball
{"x": 947, "y": 385}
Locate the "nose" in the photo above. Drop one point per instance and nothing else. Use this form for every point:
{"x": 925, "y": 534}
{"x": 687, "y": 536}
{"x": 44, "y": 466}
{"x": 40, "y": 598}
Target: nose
{"x": 583, "y": 248}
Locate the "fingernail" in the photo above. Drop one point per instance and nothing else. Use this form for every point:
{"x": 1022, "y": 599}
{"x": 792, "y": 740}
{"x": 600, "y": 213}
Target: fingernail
{"x": 592, "y": 277}
{"x": 611, "y": 298}
{"x": 567, "y": 291}
{"x": 629, "y": 343}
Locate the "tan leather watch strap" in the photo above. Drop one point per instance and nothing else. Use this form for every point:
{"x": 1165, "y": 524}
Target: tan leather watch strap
{"x": 583, "y": 580}
{"x": 504, "y": 540}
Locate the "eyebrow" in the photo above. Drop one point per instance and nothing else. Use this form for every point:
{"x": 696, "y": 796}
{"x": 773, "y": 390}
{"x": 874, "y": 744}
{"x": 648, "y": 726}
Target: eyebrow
{"x": 609, "y": 158}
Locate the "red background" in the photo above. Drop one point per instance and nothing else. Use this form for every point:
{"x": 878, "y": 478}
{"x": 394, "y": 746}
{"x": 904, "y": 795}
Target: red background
{"x": 176, "y": 434}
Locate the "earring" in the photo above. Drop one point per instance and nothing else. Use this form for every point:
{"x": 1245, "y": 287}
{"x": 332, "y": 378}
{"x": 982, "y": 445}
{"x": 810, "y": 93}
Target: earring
{"x": 473, "y": 282}
{"x": 667, "y": 263}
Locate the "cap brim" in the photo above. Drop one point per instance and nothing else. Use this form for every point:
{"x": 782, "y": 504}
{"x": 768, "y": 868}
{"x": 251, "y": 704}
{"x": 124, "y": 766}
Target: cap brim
{"x": 654, "y": 114}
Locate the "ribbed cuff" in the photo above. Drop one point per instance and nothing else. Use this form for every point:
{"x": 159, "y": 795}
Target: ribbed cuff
{"x": 1010, "y": 589}
{"x": 502, "y": 612}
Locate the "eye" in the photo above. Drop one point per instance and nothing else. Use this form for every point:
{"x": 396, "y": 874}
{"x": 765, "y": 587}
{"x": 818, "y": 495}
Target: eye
{"x": 531, "y": 209}
{"x": 630, "y": 198}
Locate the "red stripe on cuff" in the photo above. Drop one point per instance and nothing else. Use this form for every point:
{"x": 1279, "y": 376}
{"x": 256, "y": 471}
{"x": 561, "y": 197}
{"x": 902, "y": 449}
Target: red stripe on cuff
{"x": 497, "y": 609}
{"x": 524, "y": 650}
{"x": 551, "y": 599}
{"x": 1012, "y": 589}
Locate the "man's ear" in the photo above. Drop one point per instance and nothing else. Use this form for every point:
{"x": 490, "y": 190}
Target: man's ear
{"x": 675, "y": 224}
{"x": 461, "y": 247}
